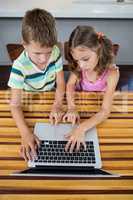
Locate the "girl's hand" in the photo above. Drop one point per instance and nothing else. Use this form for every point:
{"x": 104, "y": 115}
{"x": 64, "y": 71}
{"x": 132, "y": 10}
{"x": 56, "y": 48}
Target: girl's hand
{"x": 72, "y": 116}
{"x": 56, "y": 115}
{"x": 29, "y": 145}
{"x": 75, "y": 138}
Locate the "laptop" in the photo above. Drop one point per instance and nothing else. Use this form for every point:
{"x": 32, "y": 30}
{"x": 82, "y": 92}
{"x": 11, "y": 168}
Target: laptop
{"x": 52, "y": 159}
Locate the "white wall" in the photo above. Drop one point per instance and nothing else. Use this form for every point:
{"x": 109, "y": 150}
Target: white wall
{"x": 120, "y": 31}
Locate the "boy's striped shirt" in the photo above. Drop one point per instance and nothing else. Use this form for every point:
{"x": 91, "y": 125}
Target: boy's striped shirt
{"x": 25, "y": 75}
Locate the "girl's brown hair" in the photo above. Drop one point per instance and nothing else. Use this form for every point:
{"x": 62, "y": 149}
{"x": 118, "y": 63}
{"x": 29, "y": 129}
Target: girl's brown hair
{"x": 86, "y": 36}
{"x": 39, "y": 25}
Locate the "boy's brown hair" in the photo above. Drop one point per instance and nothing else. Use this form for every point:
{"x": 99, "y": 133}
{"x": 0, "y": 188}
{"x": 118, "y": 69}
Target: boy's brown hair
{"x": 39, "y": 25}
{"x": 86, "y": 36}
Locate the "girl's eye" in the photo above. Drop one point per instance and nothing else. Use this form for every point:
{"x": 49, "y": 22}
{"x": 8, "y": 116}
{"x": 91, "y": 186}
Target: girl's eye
{"x": 86, "y": 59}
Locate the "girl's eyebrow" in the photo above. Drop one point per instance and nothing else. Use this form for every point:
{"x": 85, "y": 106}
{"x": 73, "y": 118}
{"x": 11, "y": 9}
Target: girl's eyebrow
{"x": 83, "y": 58}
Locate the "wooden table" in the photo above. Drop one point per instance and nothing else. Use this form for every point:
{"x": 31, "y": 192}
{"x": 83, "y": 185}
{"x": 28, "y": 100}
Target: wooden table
{"x": 116, "y": 145}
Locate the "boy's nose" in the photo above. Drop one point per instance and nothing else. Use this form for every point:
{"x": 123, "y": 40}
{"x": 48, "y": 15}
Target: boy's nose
{"x": 42, "y": 58}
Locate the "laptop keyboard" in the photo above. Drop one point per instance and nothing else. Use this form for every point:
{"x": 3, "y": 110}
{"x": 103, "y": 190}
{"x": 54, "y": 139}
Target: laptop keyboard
{"x": 54, "y": 152}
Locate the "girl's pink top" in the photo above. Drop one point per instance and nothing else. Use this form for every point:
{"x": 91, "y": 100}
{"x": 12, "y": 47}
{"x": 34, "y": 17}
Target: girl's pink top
{"x": 86, "y": 85}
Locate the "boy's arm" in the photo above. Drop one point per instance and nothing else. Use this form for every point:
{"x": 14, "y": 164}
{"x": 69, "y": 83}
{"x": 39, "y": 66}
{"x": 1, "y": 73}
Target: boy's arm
{"x": 16, "y": 110}
{"x": 60, "y": 90}
{"x": 28, "y": 140}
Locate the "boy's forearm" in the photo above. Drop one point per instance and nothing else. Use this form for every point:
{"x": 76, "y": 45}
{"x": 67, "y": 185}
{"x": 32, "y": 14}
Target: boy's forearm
{"x": 18, "y": 116}
{"x": 59, "y": 96}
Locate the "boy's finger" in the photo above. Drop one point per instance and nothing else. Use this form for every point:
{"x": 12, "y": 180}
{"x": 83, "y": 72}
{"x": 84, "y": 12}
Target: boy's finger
{"x": 56, "y": 120}
{"x": 25, "y": 156}
{"x": 70, "y": 118}
{"x": 73, "y": 121}
{"x": 51, "y": 119}
{"x": 65, "y": 118}
{"x": 21, "y": 150}
{"x": 27, "y": 153}
{"x": 78, "y": 120}
{"x": 23, "y": 153}
{"x": 37, "y": 141}
{"x": 33, "y": 151}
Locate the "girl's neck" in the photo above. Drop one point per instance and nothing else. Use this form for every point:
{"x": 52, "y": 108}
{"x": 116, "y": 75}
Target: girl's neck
{"x": 91, "y": 76}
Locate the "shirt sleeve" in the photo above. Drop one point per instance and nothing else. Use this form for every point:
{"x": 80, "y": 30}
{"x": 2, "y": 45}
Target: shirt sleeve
{"x": 58, "y": 60}
{"x": 16, "y": 79}
{"x": 59, "y": 64}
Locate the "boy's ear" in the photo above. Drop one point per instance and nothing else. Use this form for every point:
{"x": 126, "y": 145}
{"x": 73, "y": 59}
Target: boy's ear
{"x": 23, "y": 43}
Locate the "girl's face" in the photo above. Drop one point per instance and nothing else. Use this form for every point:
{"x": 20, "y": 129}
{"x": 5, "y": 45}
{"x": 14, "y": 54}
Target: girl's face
{"x": 85, "y": 57}
{"x": 39, "y": 55}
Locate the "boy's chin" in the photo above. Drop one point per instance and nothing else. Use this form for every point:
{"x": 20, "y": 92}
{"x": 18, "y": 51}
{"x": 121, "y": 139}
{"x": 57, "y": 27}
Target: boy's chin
{"x": 42, "y": 66}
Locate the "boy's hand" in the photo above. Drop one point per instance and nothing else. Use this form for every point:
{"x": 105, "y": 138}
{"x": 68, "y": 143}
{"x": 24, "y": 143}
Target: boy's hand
{"x": 75, "y": 138}
{"x": 29, "y": 146}
{"x": 56, "y": 115}
{"x": 72, "y": 116}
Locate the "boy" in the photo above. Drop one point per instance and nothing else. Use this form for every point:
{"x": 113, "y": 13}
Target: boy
{"x": 38, "y": 68}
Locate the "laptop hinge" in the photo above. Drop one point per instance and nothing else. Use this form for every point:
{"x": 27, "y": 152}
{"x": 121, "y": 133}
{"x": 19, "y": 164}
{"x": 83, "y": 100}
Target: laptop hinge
{"x": 66, "y": 167}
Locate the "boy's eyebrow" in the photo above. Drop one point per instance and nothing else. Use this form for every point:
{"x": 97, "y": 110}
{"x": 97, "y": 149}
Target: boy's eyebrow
{"x": 43, "y": 52}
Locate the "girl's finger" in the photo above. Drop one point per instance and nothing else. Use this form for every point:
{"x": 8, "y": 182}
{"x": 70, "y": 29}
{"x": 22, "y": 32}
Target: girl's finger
{"x": 68, "y": 145}
{"x": 77, "y": 146}
{"x": 84, "y": 145}
{"x": 67, "y": 136}
{"x": 73, "y": 143}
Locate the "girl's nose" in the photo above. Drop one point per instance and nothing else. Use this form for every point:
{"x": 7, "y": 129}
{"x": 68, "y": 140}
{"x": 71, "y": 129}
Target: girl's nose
{"x": 81, "y": 64}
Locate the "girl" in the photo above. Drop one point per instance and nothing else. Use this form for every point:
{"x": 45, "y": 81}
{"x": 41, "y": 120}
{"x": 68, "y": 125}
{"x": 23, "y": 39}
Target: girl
{"x": 93, "y": 70}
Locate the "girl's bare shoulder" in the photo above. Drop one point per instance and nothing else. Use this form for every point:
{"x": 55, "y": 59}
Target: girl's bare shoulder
{"x": 114, "y": 74}
{"x": 114, "y": 70}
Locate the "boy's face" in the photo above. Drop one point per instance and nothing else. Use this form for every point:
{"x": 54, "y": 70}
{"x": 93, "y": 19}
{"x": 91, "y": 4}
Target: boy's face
{"x": 85, "y": 57}
{"x": 39, "y": 55}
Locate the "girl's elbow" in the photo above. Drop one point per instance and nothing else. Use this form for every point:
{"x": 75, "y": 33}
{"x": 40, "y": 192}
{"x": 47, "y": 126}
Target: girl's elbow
{"x": 105, "y": 113}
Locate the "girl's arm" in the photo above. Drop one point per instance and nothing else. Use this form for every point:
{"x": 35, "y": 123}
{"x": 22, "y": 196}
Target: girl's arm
{"x": 76, "y": 137}
{"x": 70, "y": 91}
{"x": 106, "y": 104}
{"x": 28, "y": 139}
{"x": 71, "y": 115}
